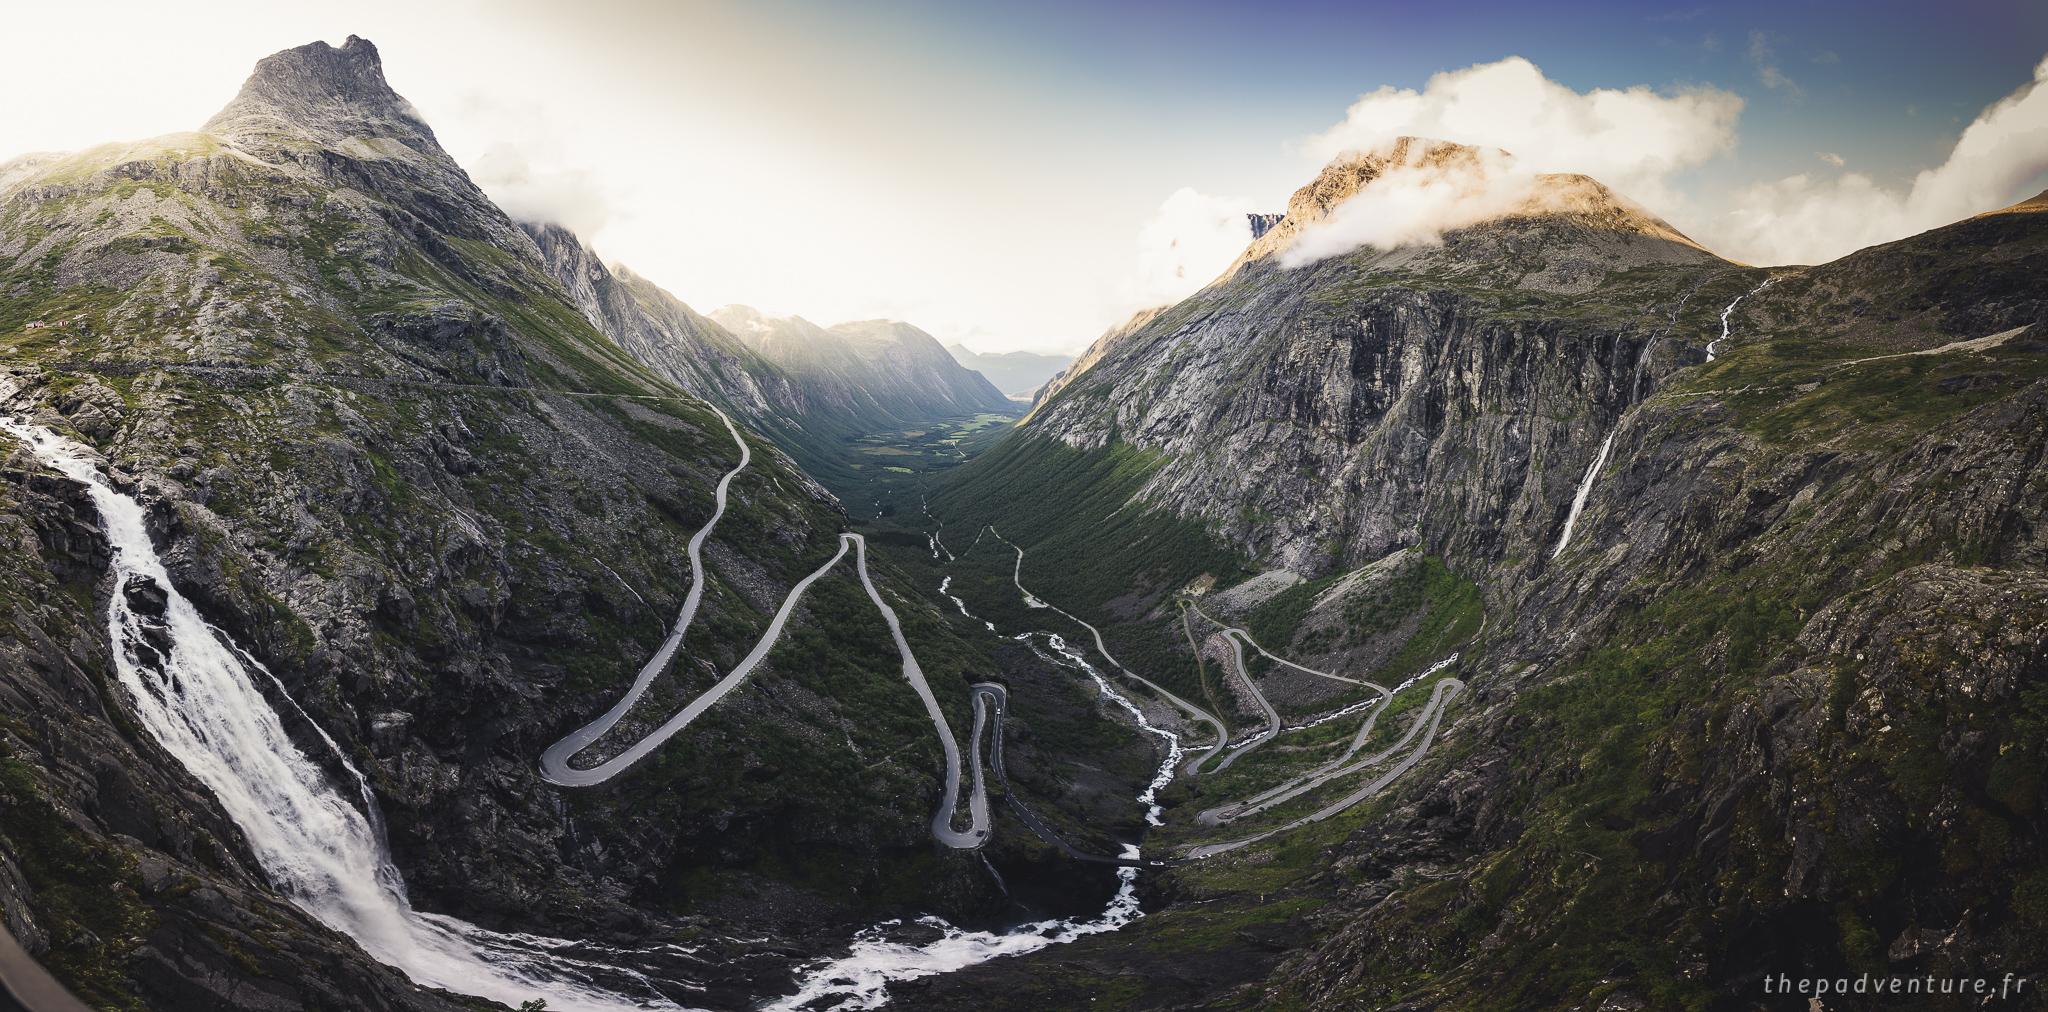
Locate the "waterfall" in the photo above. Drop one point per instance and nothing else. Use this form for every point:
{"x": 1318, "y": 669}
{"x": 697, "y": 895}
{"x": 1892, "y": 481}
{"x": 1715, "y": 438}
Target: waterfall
{"x": 1730, "y": 311}
{"x": 196, "y": 693}
{"x": 1585, "y": 489}
{"x": 1586, "y": 484}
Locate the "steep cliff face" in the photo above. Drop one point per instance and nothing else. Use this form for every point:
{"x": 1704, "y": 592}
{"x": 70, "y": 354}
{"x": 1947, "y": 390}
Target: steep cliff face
{"x": 1770, "y": 707}
{"x": 678, "y": 343}
{"x": 384, "y": 450}
{"x": 1318, "y": 415}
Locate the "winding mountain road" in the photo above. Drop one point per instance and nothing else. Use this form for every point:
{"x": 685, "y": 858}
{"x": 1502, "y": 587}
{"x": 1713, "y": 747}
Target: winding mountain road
{"x": 1431, "y": 717}
{"x": 1272, "y": 728}
{"x": 1338, "y": 768}
{"x": 1424, "y": 727}
{"x": 1239, "y": 638}
{"x": 555, "y": 761}
{"x": 1342, "y": 766}
{"x": 1246, "y": 636}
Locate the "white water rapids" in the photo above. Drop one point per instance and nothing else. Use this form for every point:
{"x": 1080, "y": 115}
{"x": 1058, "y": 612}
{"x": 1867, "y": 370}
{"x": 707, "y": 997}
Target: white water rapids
{"x": 861, "y": 978}
{"x": 197, "y": 694}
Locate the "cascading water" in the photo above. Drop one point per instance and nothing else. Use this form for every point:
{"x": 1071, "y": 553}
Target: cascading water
{"x": 1586, "y": 484}
{"x": 933, "y": 537}
{"x": 1150, "y": 797}
{"x": 861, "y": 978}
{"x": 196, "y": 693}
{"x": 1730, "y": 311}
{"x": 945, "y": 589}
{"x": 1571, "y": 519}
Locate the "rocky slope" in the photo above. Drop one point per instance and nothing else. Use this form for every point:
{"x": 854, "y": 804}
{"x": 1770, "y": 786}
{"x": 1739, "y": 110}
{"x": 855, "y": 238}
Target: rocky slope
{"x": 384, "y": 449}
{"x": 1017, "y": 373}
{"x": 1772, "y": 707}
{"x": 810, "y": 389}
{"x": 1474, "y": 376}
{"x": 675, "y": 341}
{"x": 1102, "y": 346}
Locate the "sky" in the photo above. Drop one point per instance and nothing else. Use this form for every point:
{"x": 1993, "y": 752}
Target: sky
{"x": 1022, "y": 176}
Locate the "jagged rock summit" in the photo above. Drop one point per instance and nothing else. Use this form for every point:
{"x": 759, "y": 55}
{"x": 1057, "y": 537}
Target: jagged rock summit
{"x": 324, "y": 94}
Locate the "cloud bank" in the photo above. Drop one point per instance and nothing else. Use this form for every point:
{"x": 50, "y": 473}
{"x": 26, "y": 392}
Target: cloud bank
{"x": 528, "y": 191}
{"x": 1809, "y": 219}
{"x": 1416, "y": 198}
{"x": 1636, "y": 140}
{"x": 1632, "y": 139}
{"x": 1185, "y": 244}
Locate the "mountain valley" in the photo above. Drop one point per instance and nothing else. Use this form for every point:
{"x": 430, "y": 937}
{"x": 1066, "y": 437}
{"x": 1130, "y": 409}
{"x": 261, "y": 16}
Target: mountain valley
{"x": 408, "y": 609}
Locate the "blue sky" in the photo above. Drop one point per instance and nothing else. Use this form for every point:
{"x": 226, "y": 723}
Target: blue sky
{"x": 1886, "y": 85}
{"x": 1008, "y": 174}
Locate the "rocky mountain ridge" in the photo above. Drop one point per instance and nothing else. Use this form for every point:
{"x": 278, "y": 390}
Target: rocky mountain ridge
{"x": 1340, "y": 372}
{"x": 1570, "y": 209}
{"x": 885, "y": 368}
{"x": 384, "y": 450}
{"x": 684, "y": 346}
{"x": 1018, "y": 374}
{"x": 1716, "y": 733}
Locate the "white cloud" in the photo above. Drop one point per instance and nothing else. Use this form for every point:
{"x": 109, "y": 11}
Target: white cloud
{"x": 1186, "y": 243}
{"x": 1765, "y": 57}
{"x": 1415, "y": 199}
{"x": 1632, "y": 139}
{"x": 1804, "y": 219}
{"x": 1831, "y": 158}
{"x": 565, "y": 195}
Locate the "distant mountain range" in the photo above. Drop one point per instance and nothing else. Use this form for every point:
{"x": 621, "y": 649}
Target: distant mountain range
{"x": 810, "y": 387}
{"x": 1017, "y": 374}
{"x": 873, "y": 368}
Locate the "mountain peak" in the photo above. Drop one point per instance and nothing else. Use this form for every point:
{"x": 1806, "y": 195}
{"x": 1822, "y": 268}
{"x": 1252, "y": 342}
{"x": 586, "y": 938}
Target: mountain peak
{"x": 322, "y": 93}
{"x": 1419, "y": 190}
